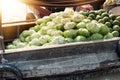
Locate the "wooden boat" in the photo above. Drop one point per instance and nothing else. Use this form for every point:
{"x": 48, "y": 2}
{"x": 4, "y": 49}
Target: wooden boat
{"x": 72, "y": 61}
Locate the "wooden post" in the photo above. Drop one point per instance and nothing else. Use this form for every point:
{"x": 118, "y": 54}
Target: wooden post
{"x": 0, "y": 17}
{"x": 0, "y": 29}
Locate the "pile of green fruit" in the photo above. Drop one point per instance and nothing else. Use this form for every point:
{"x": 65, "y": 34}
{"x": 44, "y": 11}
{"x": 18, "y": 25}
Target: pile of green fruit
{"x": 69, "y": 26}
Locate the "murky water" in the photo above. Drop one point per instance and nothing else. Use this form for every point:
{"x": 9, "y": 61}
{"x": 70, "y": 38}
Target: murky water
{"x": 113, "y": 76}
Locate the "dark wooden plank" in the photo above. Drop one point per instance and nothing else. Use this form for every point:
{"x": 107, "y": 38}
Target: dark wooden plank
{"x": 47, "y": 4}
{"x": 62, "y": 50}
{"x": 67, "y": 65}
{"x": 12, "y": 30}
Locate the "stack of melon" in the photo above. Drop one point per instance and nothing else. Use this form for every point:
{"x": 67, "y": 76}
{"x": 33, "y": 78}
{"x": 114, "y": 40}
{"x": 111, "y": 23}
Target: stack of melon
{"x": 69, "y": 26}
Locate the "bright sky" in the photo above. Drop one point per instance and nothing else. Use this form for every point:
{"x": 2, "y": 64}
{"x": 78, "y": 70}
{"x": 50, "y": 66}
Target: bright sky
{"x": 13, "y": 10}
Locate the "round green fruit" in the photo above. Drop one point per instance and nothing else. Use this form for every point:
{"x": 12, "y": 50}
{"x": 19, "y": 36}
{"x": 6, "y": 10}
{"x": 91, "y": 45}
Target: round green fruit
{"x": 69, "y": 25}
{"x": 35, "y": 42}
{"x": 69, "y": 40}
{"x": 83, "y": 32}
{"x": 101, "y": 21}
{"x": 96, "y": 36}
{"x": 92, "y": 12}
{"x": 93, "y": 27}
{"x": 86, "y": 20}
{"x": 70, "y": 33}
{"x": 11, "y": 46}
{"x": 108, "y": 36}
{"x": 108, "y": 24}
{"x": 105, "y": 14}
{"x": 92, "y": 16}
{"x": 112, "y": 16}
{"x": 81, "y": 25}
{"x": 118, "y": 18}
{"x": 103, "y": 29}
{"x": 116, "y": 27}
{"x": 98, "y": 17}
{"x": 115, "y": 33}
{"x": 100, "y": 11}
{"x": 59, "y": 27}
{"x": 106, "y": 18}
{"x": 80, "y": 38}
{"x": 39, "y": 21}
{"x": 85, "y": 13}
{"x": 116, "y": 22}
{"x": 111, "y": 29}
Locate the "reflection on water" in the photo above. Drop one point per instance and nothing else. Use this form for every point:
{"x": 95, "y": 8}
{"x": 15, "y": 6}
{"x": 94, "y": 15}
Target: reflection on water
{"x": 113, "y": 76}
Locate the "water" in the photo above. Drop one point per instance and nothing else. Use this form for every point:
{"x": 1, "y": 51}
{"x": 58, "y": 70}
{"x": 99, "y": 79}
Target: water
{"x": 112, "y": 76}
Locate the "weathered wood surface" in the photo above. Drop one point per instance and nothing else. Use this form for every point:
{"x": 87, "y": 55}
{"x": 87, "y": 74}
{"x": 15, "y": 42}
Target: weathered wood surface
{"x": 62, "y": 50}
{"x": 67, "y": 65}
{"x": 11, "y": 31}
{"x": 65, "y": 58}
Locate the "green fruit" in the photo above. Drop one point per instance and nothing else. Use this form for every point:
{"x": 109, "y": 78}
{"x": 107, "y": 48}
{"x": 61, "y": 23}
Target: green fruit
{"x": 35, "y": 35}
{"x": 69, "y": 40}
{"x": 81, "y": 12}
{"x": 96, "y": 12}
{"x": 16, "y": 41}
{"x": 108, "y": 24}
{"x": 58, "y": 40}
{"x": 37, "y": 28}
{"x": 28, "y": 39}
{"x": 100, "y": 11}
{"x": 21, "y": 45}
{"x": 59, "y": 27}
{"x": 78, "y": 17}
{"x": 39, "y": 21}
{"x": 118, "y": 18}
{"x": 96, "y": 36}
{"x": 81, "y": 25}
{"x": 50, "y": 25}
{"x": 111, "y": 21}
{"x": 116, "y": 27}
{"x": 91, "y": 16}
{"x": 69, "y": 25}
{"x": 106, "y": 19}
{"x": 108, "y": 36}
{"x": 111, "y": 29}
{"x": 35, "y": 42}
{"x": 43, "y": 30}
{"x": 65, "y": 20}
{"x": 22, "y": 39}
{"x": 83, "y": 32}
{"x": 43, "y": 40}
{"x": 92, "y": 27}
{"x": 116, "y": 22}
{"x": 115, "y": 33}
{"x": 103, "y": 29}
{"x": 112, "y": 16}
{"x": 80, "y": 38}
{"x": 105, "y": 14}
{"x": 92, "y": 12}
{"x": 46, "y": 19}
{"x": 56, "y": 33}
{"x": 11, "y": 46}
{"x": 101, "y": 21}
{"x": 98, "y": 17}
{"x": 85, "y": 13}
{"x": 70, "y": 33}
{"x": 46, "y": 38}
{"x": 25, "y": 33}
{"x": 86, "y": 20}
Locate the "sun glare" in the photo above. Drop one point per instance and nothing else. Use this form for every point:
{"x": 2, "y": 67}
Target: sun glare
{"x": 13, "y": 10}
